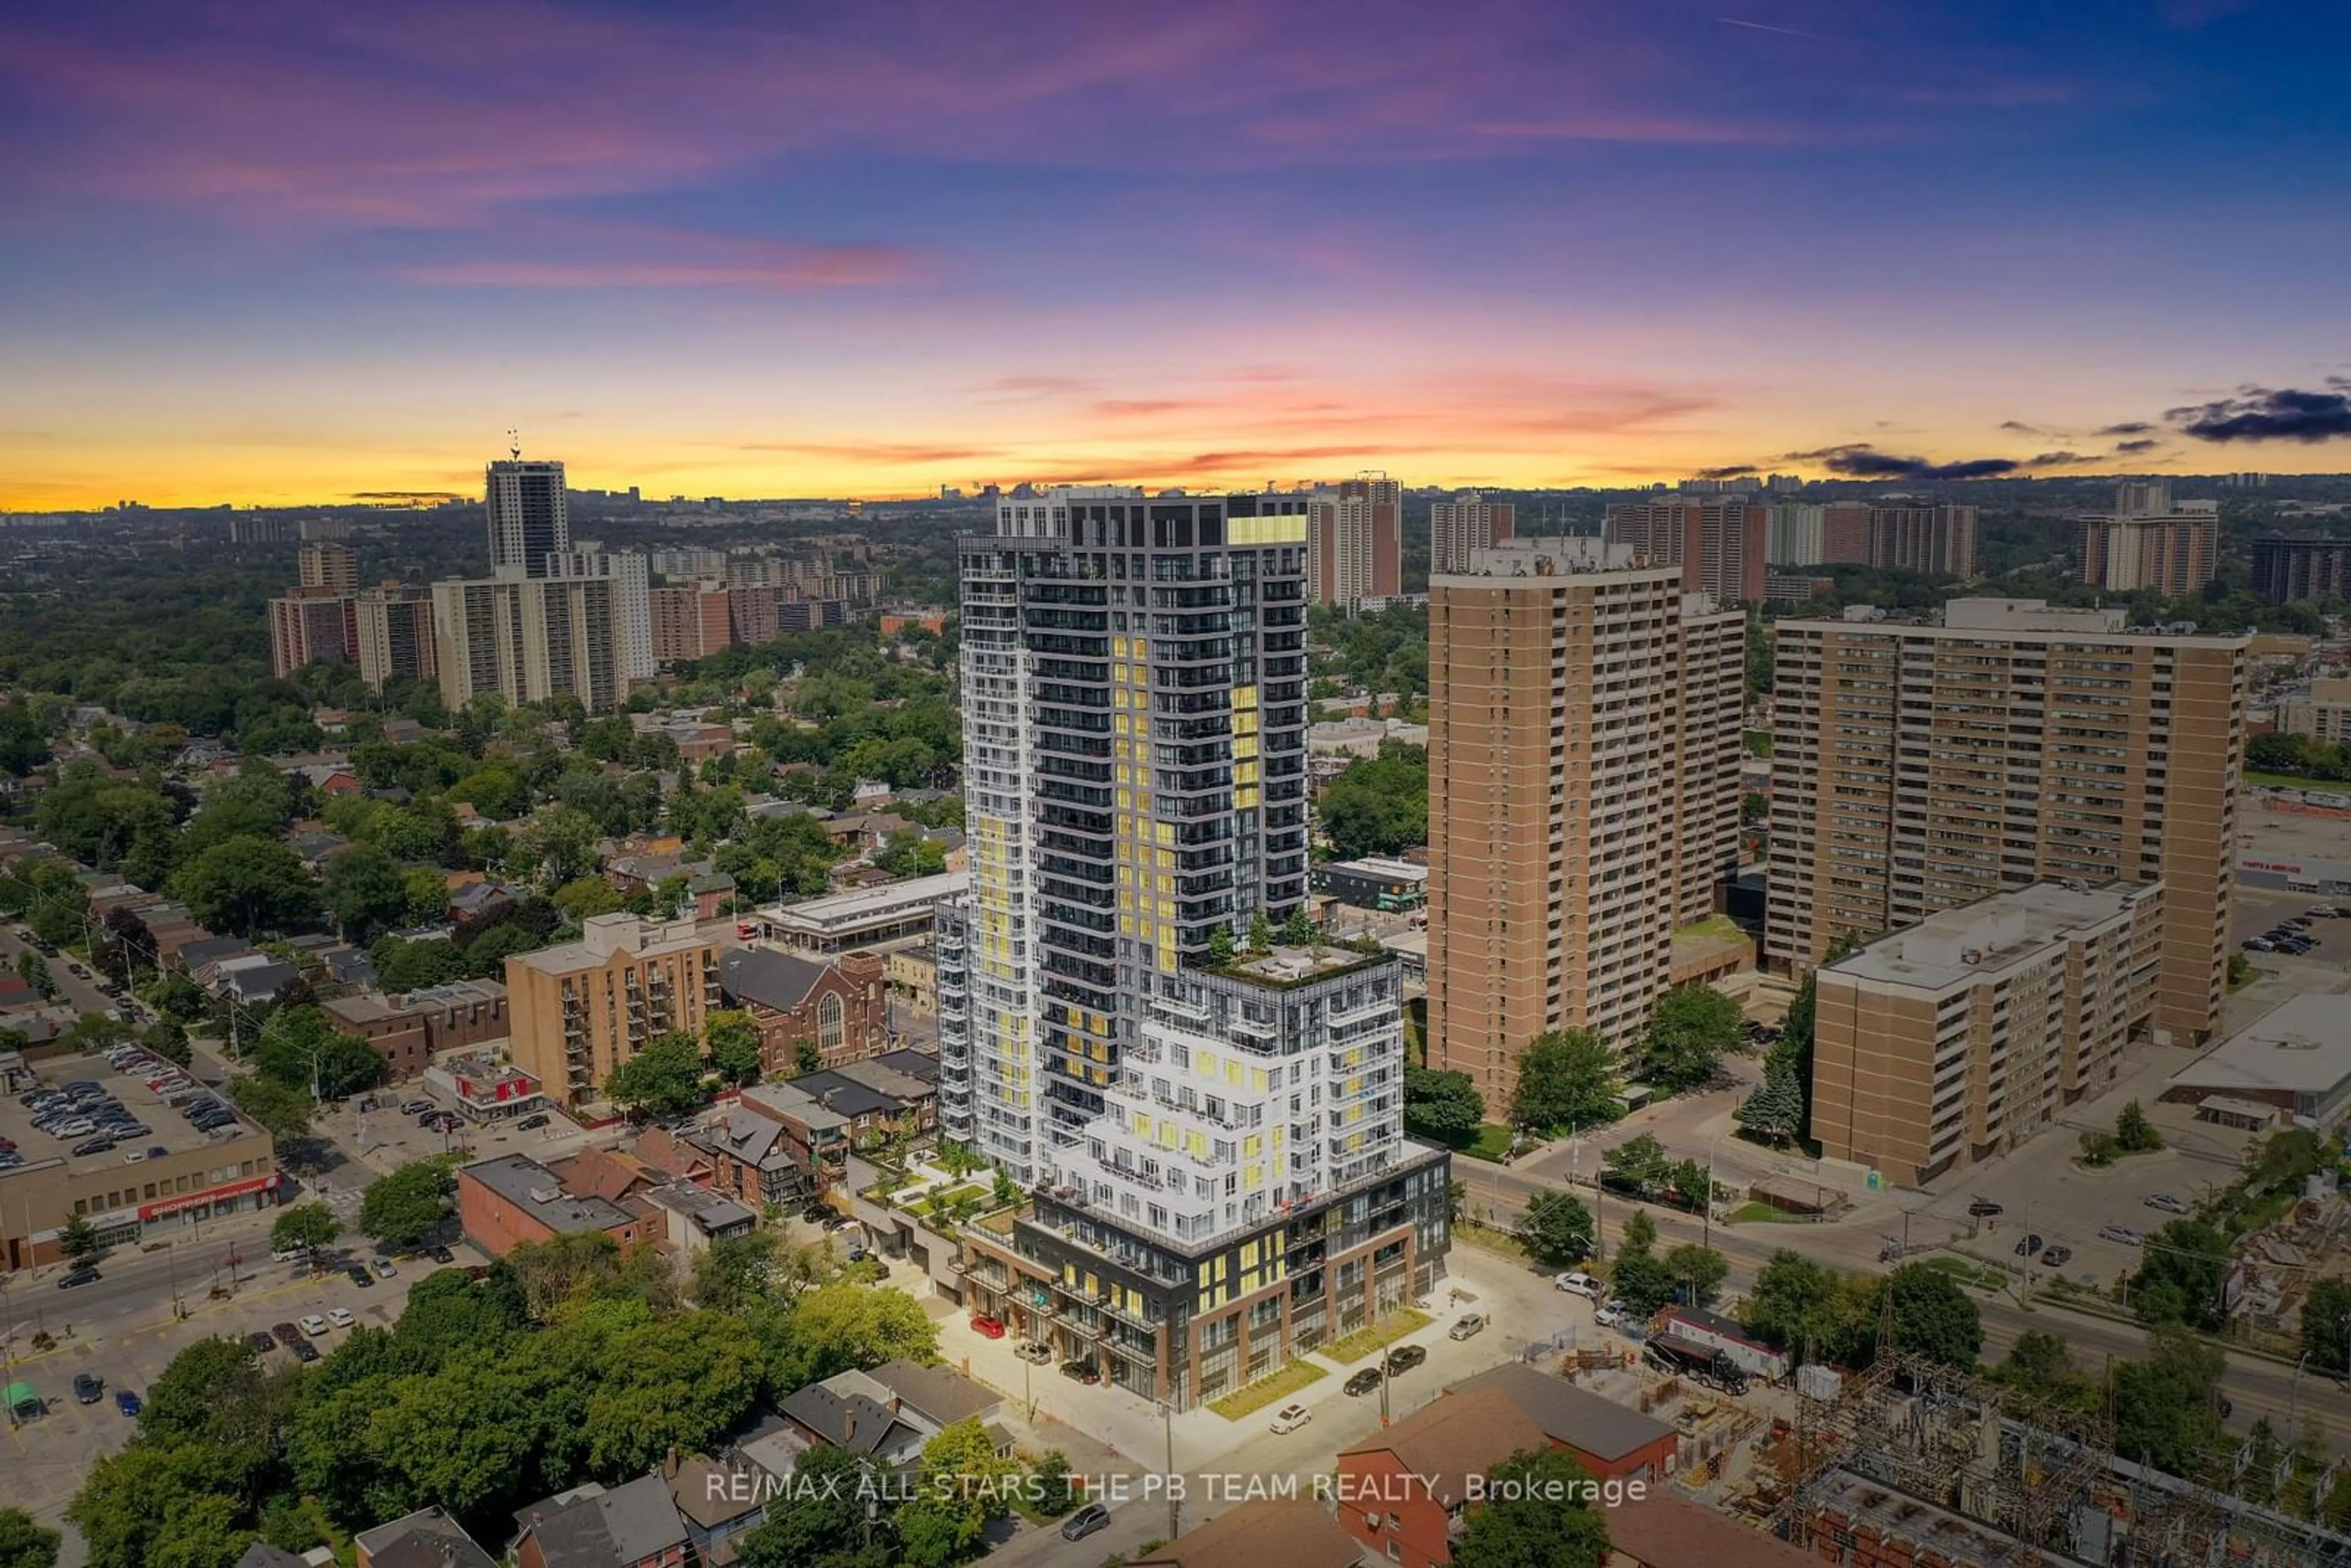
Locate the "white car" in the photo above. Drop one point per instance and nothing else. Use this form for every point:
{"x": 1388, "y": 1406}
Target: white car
{"x": 313, "y": 1326}
{"x": 1290, "y": 1417}
{"x": 1580, "y": 1283}
{"x": 1612, "y": 1316}
{"x": 340, "y": 1317}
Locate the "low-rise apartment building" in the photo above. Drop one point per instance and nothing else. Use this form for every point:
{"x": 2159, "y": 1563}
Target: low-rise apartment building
{"x": 1961, "y": 1037}
{"x": 513, "y": 1200}
{"x": 409, "y": 1029}
{"x": 579, "y": 1010}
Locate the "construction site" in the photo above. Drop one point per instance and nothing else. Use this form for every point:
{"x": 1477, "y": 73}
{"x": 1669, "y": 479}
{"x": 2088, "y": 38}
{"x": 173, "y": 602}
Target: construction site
{"x": 1912, "y": 1465}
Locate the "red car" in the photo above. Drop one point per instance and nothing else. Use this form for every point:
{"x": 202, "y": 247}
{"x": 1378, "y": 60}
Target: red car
{"x": 992, "y": 1327}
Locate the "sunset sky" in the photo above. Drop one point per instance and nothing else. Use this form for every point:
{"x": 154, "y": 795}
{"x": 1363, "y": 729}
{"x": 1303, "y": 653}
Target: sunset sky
{"x": 271, "y": 252}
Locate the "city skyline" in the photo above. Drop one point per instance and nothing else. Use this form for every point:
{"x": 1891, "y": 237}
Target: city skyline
{"x": 268, "y": 260}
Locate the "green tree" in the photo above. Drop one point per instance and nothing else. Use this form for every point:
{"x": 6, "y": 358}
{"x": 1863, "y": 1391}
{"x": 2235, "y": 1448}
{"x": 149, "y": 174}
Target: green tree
{"x": 282, "y": 1113}
{"x": 806, "y": 1057}
{"x": 1298, "y": 930}
{"x": 1641, "y": 1281}
{"x": 1934, "y": 1317}
{"x": 408, "y": 1205}
{"x": 1696, "y": 1273}
{"x": 907, "y": 853}
{"x": 168, "y": 1038}
{"x": 1556, "y": 1230}
{"x": 246, "y": 883}
{"x": 2134, "y": 1133}
{"x": 2166, "y": 1407}
{"x": 1793, "y": 1303}
{"x": 1539, "y": 1517}
{"x": 1567, "y": 1078}
{"x": 301, "y": 1047}
{"x": 584, "y": 896}
{"x": 24, "y": 1544}
{"x": 2326, "y": 1324}
{"x": 2183, "y": 1268}
{"x": 734, "y": 1271}
{"x": 664, "y": 1079}
{"x": 1220, "y": 945}
{"x": 1260, "y": 936}
{"x": 1776, "y": 1109}
{"x": 821, "y": 1523}
{"x": 305, "y": 1228}
{"x": 79, "y": 1240}
{"x": 365, "y": 891}
{"x": 733, "y": 1039}
{"x": 675, "y": 1383}
{"x": 1444, "y": 1107}
{"x": 1051, "y": 1491}
{"x": 1378, "y": 805}
{"x": 964, "y": 1485}
{"x": 1640, "y": 1230}
{"x": 1638, "y": 1165}
{"x": 1691, "y": 1029}
{"x": 34, "y": 970}
{"x": 839, "y": 1327}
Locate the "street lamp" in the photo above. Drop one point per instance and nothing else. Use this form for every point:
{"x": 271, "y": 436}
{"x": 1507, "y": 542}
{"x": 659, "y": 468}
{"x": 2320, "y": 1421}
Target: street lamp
{"x": 2294, "y": 1399}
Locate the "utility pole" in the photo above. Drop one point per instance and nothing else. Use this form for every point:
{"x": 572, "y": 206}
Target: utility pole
{"x": 1175, "y": 1503}
{"x": 1706, "y": 1230}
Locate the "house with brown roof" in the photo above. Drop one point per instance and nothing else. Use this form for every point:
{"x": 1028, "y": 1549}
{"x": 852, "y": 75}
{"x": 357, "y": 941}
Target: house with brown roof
{"x": 1295, "y": 1533}
{"x": 1664, "y": 1531}
{"x": 1608, "y": 1438}
{"x": 1405, "y": 1493}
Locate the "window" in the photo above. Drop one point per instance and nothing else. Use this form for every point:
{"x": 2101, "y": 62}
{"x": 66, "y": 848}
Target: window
{"x": 1395, "y": 1551}
{"x": 830, "y": 1033}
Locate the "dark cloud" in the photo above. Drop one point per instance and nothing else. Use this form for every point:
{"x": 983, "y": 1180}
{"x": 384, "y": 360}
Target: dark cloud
{"x": 2133, "y": 427}
{"x": 2268, "y": 413}
{"x": 1740, "y": 472}
{"x": 1859, "y": 460}
{"x": 2018, "y": 427}
{"x": 2055, "y": 460}
{"x": 2136, "y": 445}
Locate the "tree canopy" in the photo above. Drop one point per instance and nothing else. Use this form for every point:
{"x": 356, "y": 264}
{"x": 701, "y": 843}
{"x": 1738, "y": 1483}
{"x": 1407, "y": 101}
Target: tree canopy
{"x": 1567, "y": 1078}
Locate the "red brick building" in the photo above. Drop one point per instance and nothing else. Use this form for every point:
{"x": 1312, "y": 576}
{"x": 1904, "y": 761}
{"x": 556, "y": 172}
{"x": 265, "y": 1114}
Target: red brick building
{"x": 839, "y": 1005}
{"x": 505, "y": 1202}
{"x": 409, "y": 1030}
{"x": 1608, "y": 1438}
{"x": 1403, "y": 1492}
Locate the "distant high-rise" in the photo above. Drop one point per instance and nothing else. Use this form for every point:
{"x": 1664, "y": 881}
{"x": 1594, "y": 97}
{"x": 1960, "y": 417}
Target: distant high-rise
{"x": 2150, "y": 543}
{"x": 329, "y": 566}
{"x": 1354, "y": 547}
{"x": 395, "y": 627}
{"x": 530, "y": 521}
{"x": 1798, "y": 536}
{"x": 1936, "y": 538}
{"x": 1460, "y": 528}
{"x": 1919, "y": 766}
{"x": 1719, "y": 545}
{"x": 1844, "y": 533}
{"x": 1585, "y": 744}
{"x": 632, "y": 601}
{"x": 308, "y": 626}
{"x": 529, "y": 639}
{"x": 2286, "y": 569}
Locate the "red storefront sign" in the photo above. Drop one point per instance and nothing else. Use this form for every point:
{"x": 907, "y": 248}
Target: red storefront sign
{"x": 173, "y": 1205}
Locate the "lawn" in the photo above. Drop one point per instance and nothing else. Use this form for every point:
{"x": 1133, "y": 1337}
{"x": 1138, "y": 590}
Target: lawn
{"x": 1981, "y": 1276}
{"x": 1298, "y": 1374}
{"x": 1492, "y": 1142}
{"x": 1377, "y": 1337}
{"x": 1763, "y": 1214}
{"x": 1759, "y": 742}
{"x": 2295, "y": 781}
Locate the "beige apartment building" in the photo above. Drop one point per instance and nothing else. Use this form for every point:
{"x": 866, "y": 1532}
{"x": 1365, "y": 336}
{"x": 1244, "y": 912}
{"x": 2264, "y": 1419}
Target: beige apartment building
{"x": 1960, "y": 1038}
{"x": 2174, "y": 556}
{"x": 2323, "y": 713}
{"x": 1583, "y": 757}
{"x": 1460, "y": 528}
{"x": 529, "y": 639}
{"x": 577, "y": 1011}
{"x": 1354, "y": 541}
{"x": 395, "y": 635}
{"x": 1917, "y": 767}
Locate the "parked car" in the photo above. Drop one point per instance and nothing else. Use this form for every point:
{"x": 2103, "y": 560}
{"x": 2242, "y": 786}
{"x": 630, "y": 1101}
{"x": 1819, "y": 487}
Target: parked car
{"x": 2057, "y": 1257}
{"x": 1578, "y": 1282}
{"x": 340, "y": 1317}
{"x": 286, "y": 1333}
{"x": 314, "y": 1325}
{"x": 440, "y": 1254}
{"x": 1081, "y": 1370}
{"x": 290, "y": 1254}
{"x": 127, "y": 1402}
{"x": 1404, "y": 1357}
{"x": 534, "y": 1122}
{"x": 358, "y": 1275}
{"x": 2122, "y": 1233}
{"x": 1290, "y": 1417}
{"x": 1612, "y": 1315}
{"x": 2027, "y": 1247}
{"x": 1094, "y": 1516}
{"x": 383, "y": 1267}
{"x": 88, "y": 1390}
{"x": 2257, "y": 945}
{"x": 304, "y": 1351}
{"x": 85, "y": 1275}
{"x": 416, "y": 1107}
{"x": 2170, "y": 1204}
{"x": 261, "y": 1343}
{"x": 1984, "y": 1208}
{"x": 987, "y": 1328}
{"x": 1038, "y": 1355}
{"x": 1466, "y": 1326}
{"x": 1363, "y": 1381}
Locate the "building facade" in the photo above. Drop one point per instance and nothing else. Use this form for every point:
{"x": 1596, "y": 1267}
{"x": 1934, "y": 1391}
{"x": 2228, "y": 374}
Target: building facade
{"x": 1134, "y": 772}
{"x": 2323, "y": 713}
{"x": 1844, "y": 533}
{"x": 1936, "y": 538}
{"x": 529, "y": 516}
{"x": 1958, "y": 1038}
{"x": 631, "y": 580}
{"x": 311, "y": 625}
{"x": 529, "y": 639}
{"x": 2173, "y": 555}
{"x": 836, "y": 1007}
{"x": 1584, "y": 719}
{"x": 1798, "y": 536}
{"x": 394, "y": 629}
{"x": 328, "y": 565}
{"x": 2286, "y": 569}
{"x": 579, "y": 1010}
{"x": 1460, "y": 528}
{"x": 408, "y": 1029}
{"x": 1354, "y": 542}
{"x": 1720, "y": 545}
{"x": 1917, "y": 767}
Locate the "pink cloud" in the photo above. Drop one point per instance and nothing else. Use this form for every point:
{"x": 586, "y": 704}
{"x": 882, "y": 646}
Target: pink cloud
{"x": 850, "y": 267}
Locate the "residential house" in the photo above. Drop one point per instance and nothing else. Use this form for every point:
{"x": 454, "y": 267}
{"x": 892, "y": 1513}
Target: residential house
{"x": 853, "y": 1419}
{"x": 1608, "y": 1438}
{"x": 480, "y": 898}
{"x": 316, "y": 847}
{"x": 838, "y": 1004}
{"x": 634, "y": 1525}
{"x": 718, "y": 1505}
{"x": 261, "y": 1555}
{"x": 426, "y": 1539}
{"x": 875, "y": 1097}
{"x": 695, "y": 1216}
{"x": 711, "y": 893}
{"x": 1293, "y": 1534}
{"x": 349, "y": 966}
{"x": 1405, "y": 1491}
{"x": 777, "y": 1145}
{"x": 503, "y": 1202}
{"x": 252, "y": 978}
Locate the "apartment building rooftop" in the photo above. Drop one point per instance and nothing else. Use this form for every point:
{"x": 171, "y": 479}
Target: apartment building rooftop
{"x": 1956, "y": 946}
{"x": 1285, "y": 966}
{"x": 526, "y": 1184}
{"x": 1554, "y": 555}
{"x": 604, "y": 935}
{"x": 2029, "y": 617}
